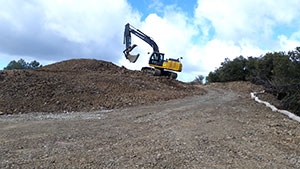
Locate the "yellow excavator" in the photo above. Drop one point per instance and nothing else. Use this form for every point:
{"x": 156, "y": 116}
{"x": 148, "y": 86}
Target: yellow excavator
{"x": 159, "y": 66}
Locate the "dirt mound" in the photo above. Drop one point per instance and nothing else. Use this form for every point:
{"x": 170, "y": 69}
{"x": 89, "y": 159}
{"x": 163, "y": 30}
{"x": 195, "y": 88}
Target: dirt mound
{"x": 83, "y": 65}
{"x": 84, "y": 85}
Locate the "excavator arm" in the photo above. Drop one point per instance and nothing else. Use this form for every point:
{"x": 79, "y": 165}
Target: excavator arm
{"x": 127, "y": 41}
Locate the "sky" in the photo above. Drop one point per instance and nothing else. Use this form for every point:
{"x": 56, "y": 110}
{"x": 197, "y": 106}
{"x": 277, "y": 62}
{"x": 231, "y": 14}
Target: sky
{"x": 203, "y": 32}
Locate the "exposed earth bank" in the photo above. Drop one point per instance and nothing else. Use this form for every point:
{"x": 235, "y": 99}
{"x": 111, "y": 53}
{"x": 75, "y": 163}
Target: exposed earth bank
{"x": 84, "y": 85}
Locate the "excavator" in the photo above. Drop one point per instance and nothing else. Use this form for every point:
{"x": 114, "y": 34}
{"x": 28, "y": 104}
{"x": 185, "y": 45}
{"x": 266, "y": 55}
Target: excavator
{"x": 159, "y": 66}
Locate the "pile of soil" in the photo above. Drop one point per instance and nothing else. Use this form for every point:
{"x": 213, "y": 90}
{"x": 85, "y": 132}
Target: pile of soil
{"x": 84, "y": 85}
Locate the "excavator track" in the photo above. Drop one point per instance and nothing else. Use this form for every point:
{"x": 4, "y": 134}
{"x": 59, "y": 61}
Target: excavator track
{"x": 149, "y": 70}
{"x": 159, "y": 72}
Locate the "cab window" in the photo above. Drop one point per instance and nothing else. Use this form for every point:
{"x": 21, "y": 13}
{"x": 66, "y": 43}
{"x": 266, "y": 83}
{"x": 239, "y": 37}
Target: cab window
{"x": 155, "y": 57}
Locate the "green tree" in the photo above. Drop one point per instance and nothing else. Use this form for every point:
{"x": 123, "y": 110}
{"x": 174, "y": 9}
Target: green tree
{"x": 13, "y": 65}
{"x": 22, "y": 64}
{"x": 34, "y": 64}
{"x": 251, "y": 70}
{"x": 234, "y": 70}
{"x": 213, "y": 77}
{"x": 279, "y": 72}
{"x": 198, "y": 80}
{"x": 229, "y": 71}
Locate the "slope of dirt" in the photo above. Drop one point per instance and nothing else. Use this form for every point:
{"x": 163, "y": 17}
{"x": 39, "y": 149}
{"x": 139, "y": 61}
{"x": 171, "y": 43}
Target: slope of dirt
{"x": 221, "y": 129}
{"x": 243, "y": 87}
{"x": 84, "y": 85}
{"x": 237, "y": 86}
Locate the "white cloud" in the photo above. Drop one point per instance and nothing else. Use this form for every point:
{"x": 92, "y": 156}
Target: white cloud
{"x": 251, "y": 19}
{"x": 209, "y": 56}
{"x": 156, "y": 5}
{"x": 296, "y": 35}
{"x": 63, "y": 29}
{"x": 90, "y": 20}
{"x": 288, "y": 44}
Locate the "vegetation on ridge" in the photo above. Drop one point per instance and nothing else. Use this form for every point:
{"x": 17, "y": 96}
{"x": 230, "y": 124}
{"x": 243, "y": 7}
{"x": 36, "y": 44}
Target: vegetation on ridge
{"x": 279, "y": 72}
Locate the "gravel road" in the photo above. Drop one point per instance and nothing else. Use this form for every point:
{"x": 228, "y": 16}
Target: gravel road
{"x": 222, "y": 129}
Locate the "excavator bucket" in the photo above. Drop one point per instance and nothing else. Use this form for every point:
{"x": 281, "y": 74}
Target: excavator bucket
{"x": 131, "y": 58}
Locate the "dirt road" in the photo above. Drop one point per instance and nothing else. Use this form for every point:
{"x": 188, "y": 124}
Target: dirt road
{"x": 222, "y": 129}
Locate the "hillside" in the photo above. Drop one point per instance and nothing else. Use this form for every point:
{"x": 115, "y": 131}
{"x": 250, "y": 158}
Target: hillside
{"x": 84, "y": 85}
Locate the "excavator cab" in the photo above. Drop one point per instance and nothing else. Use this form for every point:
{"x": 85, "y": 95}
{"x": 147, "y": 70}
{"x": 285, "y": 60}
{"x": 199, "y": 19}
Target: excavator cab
{"x": 156, "y": 59}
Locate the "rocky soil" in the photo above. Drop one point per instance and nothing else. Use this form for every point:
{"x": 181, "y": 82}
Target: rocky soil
{"x": 222, "y": 129}
{"x": 84, "y": 85}
{"x": 128, "y": 119}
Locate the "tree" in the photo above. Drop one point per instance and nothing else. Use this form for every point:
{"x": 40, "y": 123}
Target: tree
{"x": 22, "y": 64}
{"x": 198, "y": 79}
{"x": 13, "y": 65}
{"x": 229, "y": 71}
{"x": 279, "y": 72}
{"x": 251, "y": 70}
{"x": 34, "y": 64}
{"x": 213, "y": 77}
{"x": 233, "y": 70}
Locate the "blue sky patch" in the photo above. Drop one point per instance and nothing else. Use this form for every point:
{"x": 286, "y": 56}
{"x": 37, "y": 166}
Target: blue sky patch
{"x": 146, "y": 7}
